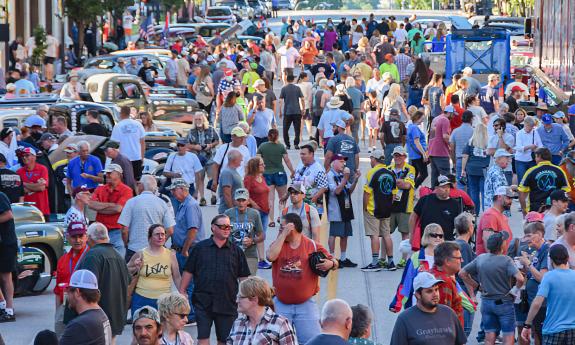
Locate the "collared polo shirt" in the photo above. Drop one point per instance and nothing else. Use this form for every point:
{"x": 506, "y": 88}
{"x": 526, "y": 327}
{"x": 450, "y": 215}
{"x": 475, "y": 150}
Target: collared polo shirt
{"x": 76, "y": 167}
{"x": 119, "y": 195}
{"x": 188, "y": 216}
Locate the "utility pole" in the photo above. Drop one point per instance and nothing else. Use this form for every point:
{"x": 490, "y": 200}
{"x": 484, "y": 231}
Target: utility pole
{"x": 62, "y": 37}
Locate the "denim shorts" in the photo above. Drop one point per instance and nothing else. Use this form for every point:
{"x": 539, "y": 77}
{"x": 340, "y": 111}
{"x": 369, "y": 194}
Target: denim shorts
{"x": 278, "y": 179}
{"x": 139, "y": 301}
{"x": 498, "y": 317}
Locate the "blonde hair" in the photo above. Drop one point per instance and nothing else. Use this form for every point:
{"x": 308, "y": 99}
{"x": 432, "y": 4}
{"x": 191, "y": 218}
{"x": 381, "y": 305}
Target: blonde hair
{"x": 253, "y": 166}
{"x": 479, "y": 137}
{"x": 255, "y": 286}
{"x": 426, "y": 239}
{"x": 394, "y": 92}
{"x": 206, "y": 122}
{"x": 172, "y": 303}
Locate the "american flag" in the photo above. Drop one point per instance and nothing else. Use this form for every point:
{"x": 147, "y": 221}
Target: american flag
{"x": 147, "y": 28}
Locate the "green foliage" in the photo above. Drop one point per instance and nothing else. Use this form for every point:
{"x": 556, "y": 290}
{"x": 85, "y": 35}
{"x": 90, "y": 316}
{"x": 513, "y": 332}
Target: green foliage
{"x": 39, "y": 45}
{"x": 168, "y": 4}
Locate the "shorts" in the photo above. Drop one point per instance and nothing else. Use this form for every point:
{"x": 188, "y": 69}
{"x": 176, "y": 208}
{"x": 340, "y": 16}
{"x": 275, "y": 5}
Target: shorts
{"x": 253, "y": 265}
{"x": 8, "y": 257}
{"x": 278, "y": 179}
{"x": 49, "y": 60}
{"x": 205, "y": 319}
{"x": 307, "y": 115}
{"x": 498, "y": 317}
{"x": 399, "y": 220}
{"x": 559, "y": 338}
{"x": 340, "y": 229}
{"x": 375, "y": 226}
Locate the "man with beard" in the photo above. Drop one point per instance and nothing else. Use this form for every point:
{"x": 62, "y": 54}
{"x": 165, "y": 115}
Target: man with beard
{"x": 493, "y": 220}
{"x": 147, "y": 327}
{"x": 427, "y": 322}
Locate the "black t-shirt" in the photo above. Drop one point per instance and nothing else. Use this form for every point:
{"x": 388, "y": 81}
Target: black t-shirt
{"x": 291, "y": 95}
{"x": 95, "y": 129}
{"x": 148, "y": 74}
{"x": 393, "y": 132}
{"x": 327, "y": 339}
{"x": 11, "y": 185}
{"x": 7, "y": 229}
{"x": 383, "y": 28}
{"x": 92, "y": 327}
{"x": 327, "y": 69}
{"x": 539, "y": 181}
{"x": 382, "y": 183}
{"x": 431, "y": 209}
{"x": 512, "y": 103}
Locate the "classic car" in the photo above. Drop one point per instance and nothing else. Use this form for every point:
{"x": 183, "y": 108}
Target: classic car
{"x": 15, "y": 117}
{"x": 106, "y": 64}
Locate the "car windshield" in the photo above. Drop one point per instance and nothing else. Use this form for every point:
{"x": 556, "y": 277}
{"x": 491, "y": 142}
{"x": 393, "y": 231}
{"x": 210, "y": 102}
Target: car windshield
{"x": 218, "y": 12}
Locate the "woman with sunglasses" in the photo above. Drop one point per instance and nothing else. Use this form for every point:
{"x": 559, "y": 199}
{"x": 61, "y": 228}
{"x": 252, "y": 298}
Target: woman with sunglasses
{"x": 421, "y": 261}
{"x": 174, "y": 309}
{"x": 154, "y": 268}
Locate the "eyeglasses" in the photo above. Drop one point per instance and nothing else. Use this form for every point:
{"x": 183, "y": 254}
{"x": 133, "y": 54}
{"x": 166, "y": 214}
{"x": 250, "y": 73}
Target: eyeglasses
{"x": 223, "y": 226}
{"x": 436, "y": 235}
{"x": 160, "y": 234}
{"x": 182, "y": 316}
{"x": 294, "y": 192}
{"x": 496, "y": 126}
{"x": 460, "y": 258}
{"x": 241, "y": 297}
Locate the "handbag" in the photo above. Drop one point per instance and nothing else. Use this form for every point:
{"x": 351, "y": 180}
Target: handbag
{"x": 211, "y": 181}
{"x": 533, "y": 142}
{"x": 315, "y": 258}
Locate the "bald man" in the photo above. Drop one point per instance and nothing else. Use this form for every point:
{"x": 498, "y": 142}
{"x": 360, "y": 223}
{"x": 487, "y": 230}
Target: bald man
{"x": 336, "y": 317}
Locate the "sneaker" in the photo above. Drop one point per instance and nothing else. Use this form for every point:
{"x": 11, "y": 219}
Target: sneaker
{"x": 368, "y": 150}
{"x": 401, "y": 264}
{"x": 264, "y": 265}
{"x": 5, "y": 317}
{"x": 372, "y": 268}
{"x": 390, "y": 266}
{"x": 382, "y": 263}
{"x": 347, "y": 263}
{"x": 203, "y": 202}
{"x": 296, "y": 147}
{"x": 213, "y": 200}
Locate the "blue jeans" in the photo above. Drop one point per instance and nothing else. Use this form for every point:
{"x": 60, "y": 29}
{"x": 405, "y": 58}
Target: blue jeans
{"x": 190, "y": 289}
{"x": 139, "y": 301}
{"x": 265, "y": 218}
{"x": 458, "y": 174}
{"x": 475, "y": 187}
{"x": 467, "y": 322}
{"x": 304, "y": 317}
{"x": 556, "y": 159}
{"x": 498, "y": 317}
{"x": 344, "y": 43}
{"x": 521, "y": 168}
{"x": 116, "y": 240}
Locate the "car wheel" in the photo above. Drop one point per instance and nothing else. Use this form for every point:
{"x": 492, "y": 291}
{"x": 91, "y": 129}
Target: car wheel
{"x": 50, "y": 260}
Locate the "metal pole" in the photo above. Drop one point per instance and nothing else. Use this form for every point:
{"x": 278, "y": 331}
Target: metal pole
{"x": 63, "y": 40}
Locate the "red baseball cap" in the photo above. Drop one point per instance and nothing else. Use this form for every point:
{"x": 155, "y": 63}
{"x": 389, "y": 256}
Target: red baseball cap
{"x": 228, "y": 72}
{"x": 517, "y": 88}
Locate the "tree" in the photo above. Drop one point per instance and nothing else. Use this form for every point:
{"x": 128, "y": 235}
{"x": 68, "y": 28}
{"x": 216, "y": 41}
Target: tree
{"x": 83, "y": 13}
{"x": 39, "y": 45}
{"x": 169, "y": 4}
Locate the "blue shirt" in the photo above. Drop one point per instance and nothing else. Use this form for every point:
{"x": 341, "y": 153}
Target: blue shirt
{"x": 557, "y": 288}
{"x": 414, "y": 133}
{"x": 460, "y": 137}
{"x": 24, "y": 88}
{"x": 188, "y": 216}
{"x": 263, "y": 121}
{"x": 555, "y": 140}
{"x": 539, "y": 261}
{"x": 92, "y": 166}
{"x": 356, "y": 97}
{"x": 344, "y": 145}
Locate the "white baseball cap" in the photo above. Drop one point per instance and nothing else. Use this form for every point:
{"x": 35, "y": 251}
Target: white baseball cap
{"x": 425, "y": 280}
{"x": 84, "y": 279}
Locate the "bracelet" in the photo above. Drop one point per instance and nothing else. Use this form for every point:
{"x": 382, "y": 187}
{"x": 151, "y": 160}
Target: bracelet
{"x": 527, "y": 326}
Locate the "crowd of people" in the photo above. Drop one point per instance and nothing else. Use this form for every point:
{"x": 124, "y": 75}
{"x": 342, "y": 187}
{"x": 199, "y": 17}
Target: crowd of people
{"x": 445, "y": 164}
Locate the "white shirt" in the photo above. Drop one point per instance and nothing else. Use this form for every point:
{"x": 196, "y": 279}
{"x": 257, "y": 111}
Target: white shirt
{"x": 523, "y": 139}
{"x": 400, "y": 35}
{"x": 306, "y": 88}
{"x": 223, "y": 161}
{"x": 374, "y": 85}
{"x": 51, "y": 46}
{"x": 69, "y": 91}
{"x": 128, "y": 133}
{"x": 288, "y": 57}
{"x": 330, "y": 116}
{"x": 187, "y": 165}
{"x": 479, "y": 114}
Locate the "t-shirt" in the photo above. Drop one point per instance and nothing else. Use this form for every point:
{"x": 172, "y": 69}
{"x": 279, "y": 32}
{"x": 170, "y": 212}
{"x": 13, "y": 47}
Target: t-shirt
{"x": 414, "y": 133}
{"x": 416, "y": 327}
{"x": 249, "y": 79}
{"x": 228, "y": 178}
{"x": 433, "y": 94}
{"x": 488, "y": 95}
{"x": 291, "y": 94}
{"x": 7, "y": 229}
{"x": 570, "y": 250}
{"x": 330, "y": 116}
{"x": 263, "y": 121}
{"x": 128, "y": 133}
{"x": 11, "y": 185}
{"x": 437, "y": 146}
{"x": 92, "y": 327}
{"x": 327, "y": 339}
{"x": 76, "y": 167}
{"x": 494, "y": 273}
{"x": 478, "y": 160}
{"x": 460, "y": 137}
{"x": 291, "y": 268}
{"x": 381, "y": 186}
{"x": 32, "y": 176}
{"x": 539, "y": 261}
{"x": 288, "y": 57}
{"x": 491, "y": 219}
{"x": 247, "y": 224}
{"x": 344, "y": 145}
{"x": 187, "y": 165}
{"x": 557, "y": 288}
{"x": 259, "y": 192}
{"x": 540, "y": 180}
{"x": 393, "y": 132}
{"x": 272, "y": 154}
{"x": 219, "y": 157}
{"x": 95, "y": 129}
{"x": 431, "y": 209}
{"x": 550, "y": 222}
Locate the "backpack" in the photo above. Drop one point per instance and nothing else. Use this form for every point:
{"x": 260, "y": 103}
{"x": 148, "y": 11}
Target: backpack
{"x": 307, "y": 213}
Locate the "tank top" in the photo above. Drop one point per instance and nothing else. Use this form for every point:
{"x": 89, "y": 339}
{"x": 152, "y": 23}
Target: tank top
{"x": 373, "y": 105}
{"x": 318, "y": 110}
{"x": 155, "y": 276}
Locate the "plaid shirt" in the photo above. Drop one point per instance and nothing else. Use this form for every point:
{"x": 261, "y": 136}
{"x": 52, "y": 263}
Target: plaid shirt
{"x": 402, "y": 61}
{"x": 448, "y": 294}
{"x": 272, "y": 329}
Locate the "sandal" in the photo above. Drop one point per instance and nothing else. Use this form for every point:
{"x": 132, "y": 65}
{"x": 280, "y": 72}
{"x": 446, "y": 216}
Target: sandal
{"x": 272, "y": 225}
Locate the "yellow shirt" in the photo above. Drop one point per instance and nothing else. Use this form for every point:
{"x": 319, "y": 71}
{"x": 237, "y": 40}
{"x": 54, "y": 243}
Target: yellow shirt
{"x": 155, "y": 277}
{"x": 249, "y": 79}
{"x": 408, "y": 175}
{"x": 367, "y": 189}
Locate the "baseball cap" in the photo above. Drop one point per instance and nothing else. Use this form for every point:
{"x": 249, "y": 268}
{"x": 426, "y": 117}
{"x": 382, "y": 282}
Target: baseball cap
{"x": 496, "y": 240}
{"x": 28, "y": 151}
{"x": 114, "y": 167}
{"x": 505, "y": 190}
{"x": 259, "y": 82}
{"x": 178, "y": 182}
{"x": 241, "y": 193}
{"x": 120, "y": 60}
{"x": 399, "y": 150}
{"x": 393, "y": 112}
{"x": 547, "y": 119}
{"x": 238, "y": 132}
{"x": 47, "y": 136}
{"x": 228, "y": 72}
{"x": 501, "y": 153}
{"x": 449, "y": 109}
{"x": 557, "y": 115}
{"x": 298, "y": 187}
{"x": 340, "y": 123}
{"x": 76, "y": 228}
{"x": 517, "y": 88}
{"x": 80, "y": 189}
{"x": 377, "y": 154}
{"x": 559, "y": 194}
{"x": 338, "y": 157}
{"x": 146, "y": 312}
{"x": 253, "y": 65}
{"x": 443, "y": 180}
{"x": 533, "y": 216}
{"x": 83, "y": 279}
{"x": 5, "y": 132}
{"x": 425, "y": 280}
{"x": 330, "y": 83}
{"x": 43, "y": 107}
{"x": 181, "y": 141}
{"x": 111, "y": 144}
{"x": 35, "y": 120}
{"x": 71, "y": 147}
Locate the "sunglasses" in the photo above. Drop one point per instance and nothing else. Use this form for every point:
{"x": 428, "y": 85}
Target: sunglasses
{"x": 182, "y": 316}
{"x": 242, "y": 297}
{"x": 460, "y": 258}
{"x": 223, "y": 226}
{"x": 436, "y": 235}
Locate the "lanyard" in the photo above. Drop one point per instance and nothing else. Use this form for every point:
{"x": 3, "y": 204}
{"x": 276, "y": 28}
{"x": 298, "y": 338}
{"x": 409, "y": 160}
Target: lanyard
{"x": 167, "y": 342}
{"x": 238, "y": 216}
{"x": 72, "y": 269}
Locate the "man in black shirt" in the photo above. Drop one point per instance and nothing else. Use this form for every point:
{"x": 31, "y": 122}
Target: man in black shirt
{"x": 215, "y": 282}
{"x": 515, "y": 95}
{"x": 8, "y": 252}
{"x": 94, "y": 127}
{"x": 439, "y": 208}
{"x": 10, "y": 182}
{"x": 148, "y": 73}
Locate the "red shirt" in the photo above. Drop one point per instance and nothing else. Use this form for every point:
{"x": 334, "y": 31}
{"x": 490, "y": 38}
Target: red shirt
{"x": 456, "y": 120}
{"x": 291, "y": 269}
{"x": 259, "y": 192}
{"x": 438, "y": 147}
{"x": 491, "y": 219}
{"x": 448, "y": 294}
{"x": 66, "y": 266}
{"x": 32, "y": 176}
{"x": 119, "y": 195}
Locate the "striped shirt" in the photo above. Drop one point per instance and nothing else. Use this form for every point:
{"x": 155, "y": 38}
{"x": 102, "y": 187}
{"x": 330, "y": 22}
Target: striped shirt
{"x": 402, "y": 61}
{"x": 272, "y": 329}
